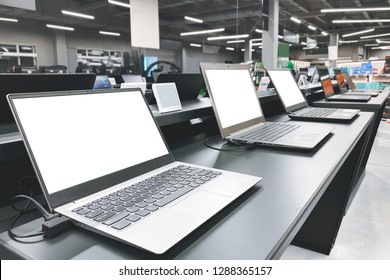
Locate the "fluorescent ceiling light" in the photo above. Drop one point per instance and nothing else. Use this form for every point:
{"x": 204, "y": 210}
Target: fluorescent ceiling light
{"x": 308, "y": 48}
{"x": 9, "y": 19}
{"x": 5, "y": 49}
{"x": 355, "y": 10}
{"x": 230, "y": 49}
{"x": 312, "y": 27}
{"x": 260, "y": 47}
{"x": 280, "y": 37}
{"x": 235, "y": 41}
{"x": 243, "y": 50}
{"x": 118, "y": 3}
{"x": 196, "y": 45}
{"x": 109, "y": 33}
{"x": 60, "y": 27}
{"x": 359, "y": 32}
{"x": 193, "y": 19}
{"x": 258, "y": 30}
{"x": 202, "y": 32}
{"x": 257, "y": 44}
{"x": 294, "y": 19}
{"x": 324, "y": 33}
{"x": 69, "y": 13}
{"x": 228, "y": 37}
{"x": 377, "y": 35}
{"x": 347, "y": 42}
{"x": 383, "y": 42}
{"x": 303, "y": 43}
{"x": 371, "y": 45}
{"x": 359, "y": 20}
{"x": 256, "y": 40}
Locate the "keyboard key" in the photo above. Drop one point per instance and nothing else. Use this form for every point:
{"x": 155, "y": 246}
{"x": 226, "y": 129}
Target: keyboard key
{"x": 143, "y": 213}
{"x": 133, "y": 209}
{"x": 122, "y": 224}
{"x": 105, "y": 216}
{"x": 151, "y": 208}
{"x": 119, "y": 209}
{"x": 83, "y": 211}
{"x": 173, "y": 196}
{"x": 141, "y": 204}
{"x": 94, "y": 206}
{"x": 107, "y": 207}
{"x": 133, "y": 218}
{"x": 94, "y": 214}
{"x": 116, "y": 218}
{"x": 150, "y": 200}
{"x": 77, "y": 209}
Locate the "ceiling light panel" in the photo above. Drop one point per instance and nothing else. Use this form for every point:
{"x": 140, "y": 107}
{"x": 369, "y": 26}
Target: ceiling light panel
{"x": 60, "y": 27}
{"x": 119, "y": 3}
{"x": 341, "y": 10}
{"x": 9, "y": 19}
{"x": 358, "y": 32}
{"x": 193, "y": 19}
{"x": 202, "y": 32}
{"x": 109, "y": 33}
{"x": 74, "y": 14}
{"x": 228, "y": 37}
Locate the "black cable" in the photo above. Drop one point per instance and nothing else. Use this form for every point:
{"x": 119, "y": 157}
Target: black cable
{"x": 221, "y": 149}
{"x": 46, "y": 215}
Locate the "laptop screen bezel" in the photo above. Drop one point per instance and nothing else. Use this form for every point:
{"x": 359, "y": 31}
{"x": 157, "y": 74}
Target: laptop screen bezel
{"x": 92, "y": 186}
{"x": 291, "y": 108}
{"x": 227, "y": 131}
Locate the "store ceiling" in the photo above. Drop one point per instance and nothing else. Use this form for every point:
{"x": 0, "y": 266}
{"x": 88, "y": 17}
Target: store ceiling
{"x": 237, "y": 16}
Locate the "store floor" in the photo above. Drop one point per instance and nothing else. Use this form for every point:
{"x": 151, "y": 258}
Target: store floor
{"x": 365, "y": 231}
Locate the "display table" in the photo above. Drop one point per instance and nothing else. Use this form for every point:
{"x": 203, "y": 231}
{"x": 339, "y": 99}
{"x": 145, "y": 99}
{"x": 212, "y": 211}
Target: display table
{"x": 301, "y": 199}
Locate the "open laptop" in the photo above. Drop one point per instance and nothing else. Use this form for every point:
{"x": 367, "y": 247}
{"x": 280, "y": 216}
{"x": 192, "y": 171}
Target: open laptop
{"x": 295, "y": 104}
{"x": 330, "y": 95}
{"x": 188, "y": 85}
{"x": 352, "y": 86}
{"x": 239, "y": 115}
{"x": 106, "y": 166}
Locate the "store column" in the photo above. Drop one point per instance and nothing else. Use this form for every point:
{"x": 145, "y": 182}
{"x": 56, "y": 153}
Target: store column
{"x": 333, "y": 49}
{"x": 270, "y": 34}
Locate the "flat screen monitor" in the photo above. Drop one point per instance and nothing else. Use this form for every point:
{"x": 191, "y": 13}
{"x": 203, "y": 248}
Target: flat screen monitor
{"x": 21, "y": 83}
{"x": 102, "y": 82}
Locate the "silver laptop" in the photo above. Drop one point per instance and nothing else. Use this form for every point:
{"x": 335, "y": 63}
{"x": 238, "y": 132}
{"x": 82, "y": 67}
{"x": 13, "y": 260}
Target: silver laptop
{"x": 105, "y": 165}
{"x": 352, "y": 86}
{"x": 239, "y": 115}
{"x": 295, "y": 104}
{"x": 330, "y": 95}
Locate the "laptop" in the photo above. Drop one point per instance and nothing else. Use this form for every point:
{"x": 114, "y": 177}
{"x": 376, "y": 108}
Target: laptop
{"x": 330, "y": 95}
{"x": 295, "y": 104}
{"x": 106, "y": 166}
{"x": 354, "y": 90}
{"x": 188, "y": 85}
{"x": 240, "y": 117}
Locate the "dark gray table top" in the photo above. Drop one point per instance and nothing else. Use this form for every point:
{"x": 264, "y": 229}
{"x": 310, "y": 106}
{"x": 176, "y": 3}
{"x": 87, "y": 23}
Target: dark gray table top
{"x": 259, "y": 225}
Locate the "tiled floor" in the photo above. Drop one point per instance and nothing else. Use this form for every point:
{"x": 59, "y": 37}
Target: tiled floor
{"x": 365, "y": 231}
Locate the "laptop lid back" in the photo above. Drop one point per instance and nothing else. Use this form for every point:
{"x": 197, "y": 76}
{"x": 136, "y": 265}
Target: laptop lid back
{"x": 188, "y": 85}
{"x": 83, "y": 142}
{"x": 349, "y": 81}
{"x": 287, "y": 89}
{"x": 233, "y": 96}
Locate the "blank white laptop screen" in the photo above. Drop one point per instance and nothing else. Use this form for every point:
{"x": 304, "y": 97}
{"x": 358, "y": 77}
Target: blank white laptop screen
{"x": 234, "y": 96}
{"x": 286, "y": 87}
{"x": 84, "y": 155}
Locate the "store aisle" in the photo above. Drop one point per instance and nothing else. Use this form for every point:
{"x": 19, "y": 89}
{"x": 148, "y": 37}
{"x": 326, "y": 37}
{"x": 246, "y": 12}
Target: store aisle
{"x": 365, "y": 231}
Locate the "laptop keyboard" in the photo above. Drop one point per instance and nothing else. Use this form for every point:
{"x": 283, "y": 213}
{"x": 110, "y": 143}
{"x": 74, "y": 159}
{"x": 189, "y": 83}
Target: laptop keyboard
{"x": 130, "y": 204}
{"x": 318, "y": 112}
{"x": 269, "y": 132}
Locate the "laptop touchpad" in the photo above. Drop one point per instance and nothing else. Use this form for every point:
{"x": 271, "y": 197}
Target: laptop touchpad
{"x": 202, "y": 204}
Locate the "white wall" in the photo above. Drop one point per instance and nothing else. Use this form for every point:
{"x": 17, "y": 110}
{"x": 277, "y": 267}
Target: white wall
{"x": 193, "y": 56}
{"x": 30, "y": 33}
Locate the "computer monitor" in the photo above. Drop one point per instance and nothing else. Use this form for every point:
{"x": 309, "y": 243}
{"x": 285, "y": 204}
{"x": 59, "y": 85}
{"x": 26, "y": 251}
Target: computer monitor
{"x": 310, "y": 71}
{"x": 129, "y": 78}
{"x": 340, "y": 80}
{"x": 21, "y": 82}
{"x": 102, "y": 82}
{"x": 319, "y": 71}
